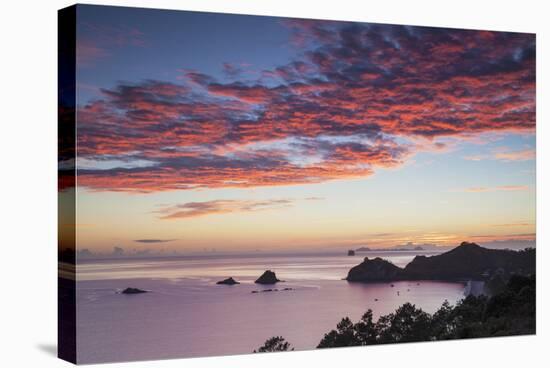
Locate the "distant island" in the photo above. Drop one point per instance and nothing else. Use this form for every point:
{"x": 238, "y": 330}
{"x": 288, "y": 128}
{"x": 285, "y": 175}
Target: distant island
{"x": 363, "y": 249}
{"x": 402, "y": 249}
{"x": 410, "y": 246}
{"x": 468, "y": 261}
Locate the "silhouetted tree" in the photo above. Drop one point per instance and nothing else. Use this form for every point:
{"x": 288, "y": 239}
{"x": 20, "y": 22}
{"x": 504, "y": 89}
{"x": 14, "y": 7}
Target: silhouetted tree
{"x": 344, "y": 335}
{"x": 366, "y": 329}
{"x": 443, "y": 326}
{"x": 276, "y": 343}
{"x": 467, "y": 317}
{"x": 407, "y": 324}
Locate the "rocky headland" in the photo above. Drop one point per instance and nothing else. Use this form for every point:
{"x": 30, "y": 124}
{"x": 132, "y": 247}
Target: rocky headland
{"x": 468, "y": 261}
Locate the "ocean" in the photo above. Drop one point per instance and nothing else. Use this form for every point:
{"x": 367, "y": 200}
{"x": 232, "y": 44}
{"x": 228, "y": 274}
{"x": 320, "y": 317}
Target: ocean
{"x": 186, "y": 314}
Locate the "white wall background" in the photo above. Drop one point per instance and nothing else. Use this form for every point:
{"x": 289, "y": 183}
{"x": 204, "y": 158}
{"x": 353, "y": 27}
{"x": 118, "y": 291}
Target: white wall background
{"x": 28, "y": 179}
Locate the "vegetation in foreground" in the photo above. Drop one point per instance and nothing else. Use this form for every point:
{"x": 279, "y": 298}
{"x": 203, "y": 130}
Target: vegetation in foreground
{"x": 510, "y": 312}
{"x": 276, "y": 343}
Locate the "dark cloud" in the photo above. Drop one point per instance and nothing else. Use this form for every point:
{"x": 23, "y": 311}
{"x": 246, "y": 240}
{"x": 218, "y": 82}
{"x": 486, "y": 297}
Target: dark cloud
{"x": 198, "y": 209}
{"x": 153, "y": 241}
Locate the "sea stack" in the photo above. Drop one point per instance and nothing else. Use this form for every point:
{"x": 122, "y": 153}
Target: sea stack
{"x": 267, "y": 278}
{"x": 228, "y": 281}
{"x": 351, "y": 252}
{"x": 133, "y": 291}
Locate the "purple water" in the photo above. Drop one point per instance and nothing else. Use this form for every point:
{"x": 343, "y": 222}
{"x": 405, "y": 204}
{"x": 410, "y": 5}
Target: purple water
{"x": 187, "y": 315}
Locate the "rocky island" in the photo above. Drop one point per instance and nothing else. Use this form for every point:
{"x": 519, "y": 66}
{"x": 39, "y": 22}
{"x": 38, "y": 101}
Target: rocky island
{"x": 131, "y": 290}
{"x": 267, "y": 278}
{"x": 468, "y": 261}
{"x": 363, "y": 249}
{"x": 228, "y": 281}
{"x": 375, "y": 270}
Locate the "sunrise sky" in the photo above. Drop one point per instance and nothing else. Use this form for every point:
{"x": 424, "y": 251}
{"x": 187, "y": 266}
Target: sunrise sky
{"x": 201, "y": 131}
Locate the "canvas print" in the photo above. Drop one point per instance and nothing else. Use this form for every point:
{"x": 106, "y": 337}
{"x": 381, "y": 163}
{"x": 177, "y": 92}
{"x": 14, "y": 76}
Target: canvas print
{"x": 234, "y": 184}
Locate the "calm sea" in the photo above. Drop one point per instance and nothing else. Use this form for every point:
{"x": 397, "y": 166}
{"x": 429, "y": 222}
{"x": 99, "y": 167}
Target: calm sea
{"x": 187, "y": 315}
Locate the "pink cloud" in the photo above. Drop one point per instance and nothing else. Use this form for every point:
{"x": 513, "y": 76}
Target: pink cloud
{"x": 522, "y": 155}
{"x": 357, "y": 99}
{"x": 505, "y": 188}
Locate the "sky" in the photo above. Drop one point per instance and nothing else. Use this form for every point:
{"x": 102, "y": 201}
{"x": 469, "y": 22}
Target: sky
{"x": 218, "y": 132}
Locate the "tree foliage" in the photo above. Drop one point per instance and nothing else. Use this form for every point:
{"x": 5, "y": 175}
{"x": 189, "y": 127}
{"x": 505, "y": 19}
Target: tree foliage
{"x": 275, "y": 343}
